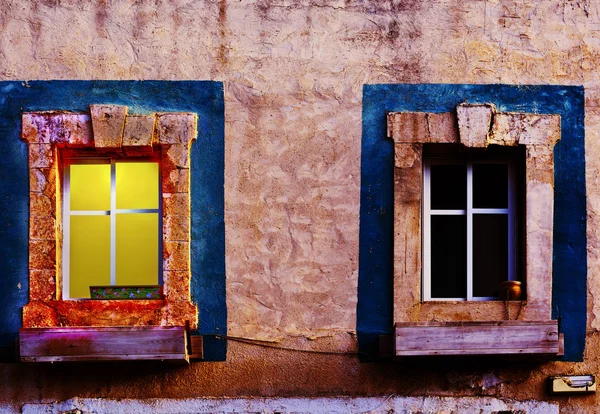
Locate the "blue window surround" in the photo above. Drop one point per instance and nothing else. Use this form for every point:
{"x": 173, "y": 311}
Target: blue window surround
{"x": 207, "y": 178}
{"x": 375, "y": 280}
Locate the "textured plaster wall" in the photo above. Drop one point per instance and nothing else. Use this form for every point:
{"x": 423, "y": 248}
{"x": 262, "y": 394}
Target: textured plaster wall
{"x": 293, "y": 74}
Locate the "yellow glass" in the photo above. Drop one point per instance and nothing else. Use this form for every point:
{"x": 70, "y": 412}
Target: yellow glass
{"x": 89, "y": 254}
{"x": 137, "y": 249}
{"x": 90, "y": 186}
{"x": 137, "y": 185}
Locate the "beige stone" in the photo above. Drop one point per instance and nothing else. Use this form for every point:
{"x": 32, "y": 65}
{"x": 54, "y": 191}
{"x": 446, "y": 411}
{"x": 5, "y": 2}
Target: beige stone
{"x": 176, "y": 255}
{"x": 177, "y": 204}
{"x": 42, "y": 254}
{"x": 178, "y": 154}
{"x": 177, "y": 285}
{"x": 42, "y": 227}
{"x": 42, "y": 285}
{"x": 41, "y": 155}
{"x": 525, "y": 129}
{"x": 38, "y": 179}
{"x": 443, "y": 128}
{"x": 474, "y": 123}
{"x": 175, "y": 180}
{"x": 176, "y": 228}
{"x": 176, "y": 128}
{"x": 77, "y": 128}
{"x": 108, "y": 122}
{"x": 407, "y": 127}
{"x": 138, "y": 134}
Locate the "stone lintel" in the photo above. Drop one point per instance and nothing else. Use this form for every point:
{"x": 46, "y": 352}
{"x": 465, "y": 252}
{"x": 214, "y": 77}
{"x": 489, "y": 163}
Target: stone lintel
{"x": 422, "y": 127}
{"x": 61, "y": 128}
{"x": 177, "y": 128}
{"x": 525, "y": 129}
{"x": 474, "y": 123}
{"x": 138, "y": 134}
{"x": 108, "y": 122}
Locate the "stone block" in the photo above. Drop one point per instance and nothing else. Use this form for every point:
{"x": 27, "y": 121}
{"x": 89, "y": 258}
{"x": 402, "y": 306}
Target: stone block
{"x": 41, "y": 155}
{"x": 42, "y": 254}
{"x": 38, "y": 179}
{"x": 61, "y": 128}
{"x": 408, "y": 127}
{"x": 33, "y": 130}
{"x": 442, "y": 127}
{"x": 176, "y": 285}
{"x": 177, "y": 204}
{"x": 182, "y": 313}
{"x": 176, "y": 128}
{"x": 41, "y": 205}
{"x": 42, "y": 284}
{"x": 78, "y": 131}
{"x": 176, "y": 228}
{"x": 175, "y": 180}
{"x": 178, "y": 154}
{"x": 42, "y": 227}
{"x": 176, "y": 255}
{"x": 108, "y": 122}
{"x": 406, "y": 155}
{"x": 539, "y": 129}
{"x": 138, "y": 134}
{"x": 505, "y": 129}
{"x": 474, "y": 123}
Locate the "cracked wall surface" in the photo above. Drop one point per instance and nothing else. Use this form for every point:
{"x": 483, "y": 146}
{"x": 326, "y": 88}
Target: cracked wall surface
{"x": 293, "y": 75}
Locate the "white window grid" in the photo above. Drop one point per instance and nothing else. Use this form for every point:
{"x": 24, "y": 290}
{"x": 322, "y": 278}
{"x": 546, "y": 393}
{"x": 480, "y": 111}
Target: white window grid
{"x": 469, "y": 212}
{"x": 67, "y": 213}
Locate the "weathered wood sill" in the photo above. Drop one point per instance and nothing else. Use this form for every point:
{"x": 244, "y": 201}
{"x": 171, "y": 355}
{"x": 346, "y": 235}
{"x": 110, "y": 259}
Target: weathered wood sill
{"x": 103, "y": 344}
{"x": 478, "y": 338}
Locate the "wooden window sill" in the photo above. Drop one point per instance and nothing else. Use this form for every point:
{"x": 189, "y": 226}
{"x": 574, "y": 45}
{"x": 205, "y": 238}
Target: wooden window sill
{"x": 478, "y": 338}
{"x": 104, "y": 344}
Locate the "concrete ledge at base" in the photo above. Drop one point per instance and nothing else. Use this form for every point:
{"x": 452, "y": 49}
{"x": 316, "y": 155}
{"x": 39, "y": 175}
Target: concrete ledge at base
{"x": 102, "y": 344}
{"x": 478, "y": 338}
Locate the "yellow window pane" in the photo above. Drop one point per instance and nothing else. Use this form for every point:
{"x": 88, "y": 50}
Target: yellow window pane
{"x": 89, "y": 254}
{"x": 137, "y": 185}
{"x": 137, "y": 249}
{"x": 90, "y": 186}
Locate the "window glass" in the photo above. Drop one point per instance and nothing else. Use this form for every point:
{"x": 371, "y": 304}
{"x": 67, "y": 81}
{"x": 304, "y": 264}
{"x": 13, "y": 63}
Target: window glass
{"x": 90, "y": 186}
{"x": 89, "y": 254}
{"x": 137, "y": 249}
{"x": 490, "y": 253}
{"x": 137, "y": 185}
{"x": 448, "y": 256}
{"x": 448, "y": 187}
{"x": 490, "y": 185}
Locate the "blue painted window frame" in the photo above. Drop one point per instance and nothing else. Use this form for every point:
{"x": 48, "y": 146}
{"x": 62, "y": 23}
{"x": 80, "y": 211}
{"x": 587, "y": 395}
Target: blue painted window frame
{"x": 206, "y": 99}
{"x": 375, "y": 280}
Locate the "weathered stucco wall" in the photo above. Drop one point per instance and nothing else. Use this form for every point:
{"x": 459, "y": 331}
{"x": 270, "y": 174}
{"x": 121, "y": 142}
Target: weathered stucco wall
{"x": 293, "y": 74}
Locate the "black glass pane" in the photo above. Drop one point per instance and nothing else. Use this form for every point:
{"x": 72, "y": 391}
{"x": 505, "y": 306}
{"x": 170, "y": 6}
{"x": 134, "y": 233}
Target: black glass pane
{"x": 490, "y": 185}
{"x": 448, "y": 257}
{"x": 448, "y": 187}
{"x": 490, "y": 253}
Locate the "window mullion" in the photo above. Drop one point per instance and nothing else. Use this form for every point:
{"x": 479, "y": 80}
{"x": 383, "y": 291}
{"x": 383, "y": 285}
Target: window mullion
{"x": 512, "y": 227}
{"x": 469, "y": 231}
{"x": 66, "y": 247}
{"x": 113, "y": 223}
{"x": 426, "y": 248}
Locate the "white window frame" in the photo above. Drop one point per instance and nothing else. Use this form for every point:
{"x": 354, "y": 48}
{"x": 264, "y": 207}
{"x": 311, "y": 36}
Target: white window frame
{"x": 67, "y": 213}
{"x": 469, "y": 212}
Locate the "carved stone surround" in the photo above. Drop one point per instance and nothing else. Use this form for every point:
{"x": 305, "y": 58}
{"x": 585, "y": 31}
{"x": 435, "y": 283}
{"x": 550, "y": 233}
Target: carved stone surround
{"x": 472, "y": 126}
{"x": 108, "y": 129}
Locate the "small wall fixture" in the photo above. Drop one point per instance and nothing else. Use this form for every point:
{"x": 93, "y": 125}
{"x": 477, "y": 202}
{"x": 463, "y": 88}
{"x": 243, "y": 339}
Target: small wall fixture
{"x": 572, "y": 384}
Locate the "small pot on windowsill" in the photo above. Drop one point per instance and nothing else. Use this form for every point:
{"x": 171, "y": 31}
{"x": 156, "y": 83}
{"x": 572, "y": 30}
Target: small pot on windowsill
{"x": 511, "y": 290}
